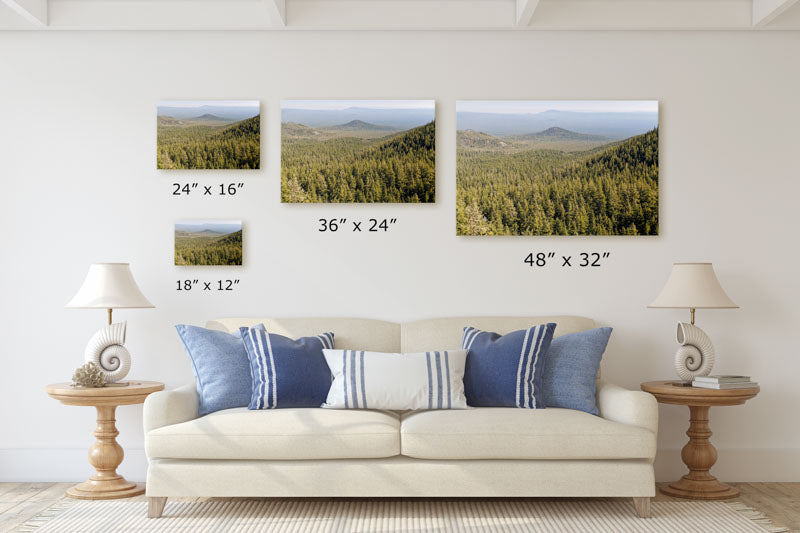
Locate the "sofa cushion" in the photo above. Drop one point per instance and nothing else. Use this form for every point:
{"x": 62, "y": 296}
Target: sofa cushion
{"x": 570, "y": 370}
{"x": 220, "y": 365}
{"x": 286, "y": 372}
{"x": 506, "y": 370}
{"x": 397, "y": 381}
{"x": 509, "y": 433}
{"x": 280, "y": 434}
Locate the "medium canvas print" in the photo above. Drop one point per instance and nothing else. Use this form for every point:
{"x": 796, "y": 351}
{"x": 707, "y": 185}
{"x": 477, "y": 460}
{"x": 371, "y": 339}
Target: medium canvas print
{"x": 557, "y": 167}
{"x": 209, "y": 134}
{"x": 358, "y": 151}
{"x": 208, "y": 242}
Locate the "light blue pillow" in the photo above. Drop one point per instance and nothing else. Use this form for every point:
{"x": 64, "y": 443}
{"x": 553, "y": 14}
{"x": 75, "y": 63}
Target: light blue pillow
{"x": 506, "y": 371}
{"x": 286, "y": 372}
{"x": 570, "y": 369}
{"x": 220, "y": 365}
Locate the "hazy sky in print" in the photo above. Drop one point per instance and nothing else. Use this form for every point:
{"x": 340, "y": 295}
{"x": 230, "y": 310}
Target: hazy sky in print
{"x": 220, "y": 226}
{"x": 367, "y": 104}
{"x": 516, "y": 107}
{"x": 212, "y": 103}
{"x": 233, "y": 109}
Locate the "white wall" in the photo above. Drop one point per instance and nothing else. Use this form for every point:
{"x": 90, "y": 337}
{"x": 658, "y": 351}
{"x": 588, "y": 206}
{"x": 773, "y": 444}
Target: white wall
{"x": 77, "y": 138}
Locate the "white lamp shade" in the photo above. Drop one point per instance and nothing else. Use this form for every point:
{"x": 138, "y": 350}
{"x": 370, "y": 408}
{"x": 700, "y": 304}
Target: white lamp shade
{"x": 693, "y": 286}
{"x": 109, "y": 286}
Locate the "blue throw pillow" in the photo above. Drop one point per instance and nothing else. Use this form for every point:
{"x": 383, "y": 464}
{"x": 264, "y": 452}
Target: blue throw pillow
{"x": 571, "y": 369}
{"x": 506, "y": 371}
{"x": 286, "y": 372}
{"x": 220, "y": 365}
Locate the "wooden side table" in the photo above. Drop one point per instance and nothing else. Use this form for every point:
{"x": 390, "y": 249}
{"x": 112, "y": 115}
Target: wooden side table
{"x": 106, "y": 454}
{"x": 698, "y": 454}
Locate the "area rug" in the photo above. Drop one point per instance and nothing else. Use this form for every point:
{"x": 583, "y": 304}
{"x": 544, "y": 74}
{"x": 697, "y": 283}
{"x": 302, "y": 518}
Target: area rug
{"x": 565, "y": 516}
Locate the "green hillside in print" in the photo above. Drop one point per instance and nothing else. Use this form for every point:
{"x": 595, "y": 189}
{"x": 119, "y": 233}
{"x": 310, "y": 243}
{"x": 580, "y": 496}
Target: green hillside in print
{"x": 357, "y": 154}
{"x": 208, "y": 244}
{"x": 599, "y": 180}
{"x": 208, "y": 136}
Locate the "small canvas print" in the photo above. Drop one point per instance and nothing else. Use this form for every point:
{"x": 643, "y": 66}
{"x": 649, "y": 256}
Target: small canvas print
{"x": 208, "y": 242}
{"x": 358, "y": 151}
{"x": 209, "y": 134}
{"x": 557, "y": 167}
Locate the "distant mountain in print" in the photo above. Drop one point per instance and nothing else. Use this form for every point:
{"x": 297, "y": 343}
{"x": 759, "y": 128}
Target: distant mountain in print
{"x": 397, "y": 119}
{"x": 360, "y": 125}
{"x": 615, "y": 125}
{"x": 209, "y": 227}
{"x": 556, "y": 133}
{"x": 231, "y": 113}
{"x": 209, "y": 116}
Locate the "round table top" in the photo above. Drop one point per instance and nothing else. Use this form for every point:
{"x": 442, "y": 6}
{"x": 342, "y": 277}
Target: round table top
{"x": 674, "y": 392}
{"x": 114, "y": 394}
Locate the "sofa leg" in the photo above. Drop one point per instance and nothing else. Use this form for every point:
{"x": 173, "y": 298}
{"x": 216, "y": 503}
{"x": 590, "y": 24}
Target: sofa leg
{"x": 642, "y": 506}
{"x": 155, "y": 506}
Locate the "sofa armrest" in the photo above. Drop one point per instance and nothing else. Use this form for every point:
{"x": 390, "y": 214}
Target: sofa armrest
{"x": 632, "y": 407}
{"x": 169, "y": 407}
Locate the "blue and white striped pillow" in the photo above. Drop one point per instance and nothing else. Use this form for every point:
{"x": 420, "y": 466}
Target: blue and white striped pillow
{"x": 286, "y": 372}
{"x": 376, "y": 380}
{"x": 506, "y": 371}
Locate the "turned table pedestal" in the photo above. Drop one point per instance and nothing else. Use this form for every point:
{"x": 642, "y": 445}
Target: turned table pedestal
{"x": 106, "y": 454}
{"x": 698, "y": 454}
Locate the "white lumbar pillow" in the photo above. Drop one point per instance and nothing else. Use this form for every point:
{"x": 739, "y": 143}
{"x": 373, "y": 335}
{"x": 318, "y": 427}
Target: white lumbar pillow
{"x": 396, "y": 381}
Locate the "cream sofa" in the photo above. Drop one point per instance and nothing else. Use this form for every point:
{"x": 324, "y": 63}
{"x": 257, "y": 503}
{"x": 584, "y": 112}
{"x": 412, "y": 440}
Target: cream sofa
{"x": 481, "y": 452}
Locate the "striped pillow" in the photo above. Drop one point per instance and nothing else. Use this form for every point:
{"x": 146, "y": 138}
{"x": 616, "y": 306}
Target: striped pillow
{"x": 506, "y": 371}
{"x": 286, "y": 372}
{"x": 375, "y": 380}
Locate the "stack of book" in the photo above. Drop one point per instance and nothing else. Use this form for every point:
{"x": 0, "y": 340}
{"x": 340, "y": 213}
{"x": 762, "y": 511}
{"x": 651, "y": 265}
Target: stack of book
{"x": 723, "y": 382}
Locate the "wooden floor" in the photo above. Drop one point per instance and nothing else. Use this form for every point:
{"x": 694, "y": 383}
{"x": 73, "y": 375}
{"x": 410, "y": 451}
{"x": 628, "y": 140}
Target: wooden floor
{"x": 21, "y": 501}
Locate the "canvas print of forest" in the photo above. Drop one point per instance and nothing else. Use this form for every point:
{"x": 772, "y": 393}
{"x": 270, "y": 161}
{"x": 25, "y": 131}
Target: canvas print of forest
{"x": 208, "y": 243}
{"x": 354, "y": 151}
{"x": 557, "y": 168}
{"x": 211, "y": 134}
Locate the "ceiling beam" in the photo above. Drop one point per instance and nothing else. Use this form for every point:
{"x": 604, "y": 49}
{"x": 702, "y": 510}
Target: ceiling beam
{"x": 34, "y": 11}
{"x": 159, "y": 15}
{"x": 400, "y": 14}
{"x": 528, "y": 15}
{"x": 525, "y": 9}
{"x": 765, "y": 11}
{"x": 277, "y": 11}
{"x": 642, "y": 15}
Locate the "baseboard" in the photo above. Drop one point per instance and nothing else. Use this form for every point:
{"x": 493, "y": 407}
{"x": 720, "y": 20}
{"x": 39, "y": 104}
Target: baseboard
{"x": 738, "y": 464}
{"x": 52, "y": 464}
{"x": 70, "y": 465}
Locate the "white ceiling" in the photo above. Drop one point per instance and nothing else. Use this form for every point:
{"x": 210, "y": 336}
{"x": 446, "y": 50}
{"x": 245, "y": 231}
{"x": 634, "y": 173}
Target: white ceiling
{"x": 399, "y": 14}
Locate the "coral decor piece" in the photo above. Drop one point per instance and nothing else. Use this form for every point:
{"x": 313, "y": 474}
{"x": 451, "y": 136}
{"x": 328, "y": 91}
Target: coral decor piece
{"x": 89, "y": 375}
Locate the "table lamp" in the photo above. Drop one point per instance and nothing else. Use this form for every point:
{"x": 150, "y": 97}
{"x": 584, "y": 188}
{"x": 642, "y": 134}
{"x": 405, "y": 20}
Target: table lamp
{"x": 109, "y": 286}
{"x": 693, "y": 286}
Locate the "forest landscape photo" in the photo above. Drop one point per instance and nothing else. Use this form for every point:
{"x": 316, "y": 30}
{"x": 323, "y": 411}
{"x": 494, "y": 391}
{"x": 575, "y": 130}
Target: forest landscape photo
{"x": 208, "y": 243}
{"x": 210, "y": 134}
{"x": 358, "y": 151}
{"x": 557, "y": 167}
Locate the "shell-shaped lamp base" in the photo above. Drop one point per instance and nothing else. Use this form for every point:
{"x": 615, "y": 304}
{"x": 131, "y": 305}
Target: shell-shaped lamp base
{"x": 106, "y": 349}
{"x": 695, "y": 357}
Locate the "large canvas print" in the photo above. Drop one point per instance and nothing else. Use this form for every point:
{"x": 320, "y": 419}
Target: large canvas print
{"x": 209, "y": 134}
{"x": 208, "y": 242}
{"x": 358, "y": 151}
{"x": 557, "y": 168}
